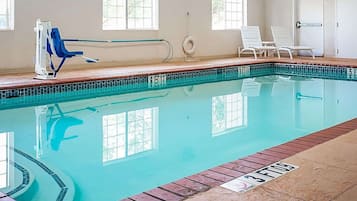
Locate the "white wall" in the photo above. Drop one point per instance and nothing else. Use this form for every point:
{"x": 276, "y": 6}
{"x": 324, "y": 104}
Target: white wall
{"x": 82, "y": 19}
{"x": 330, "y": 27}
{"x": 256, "y": 14}
{"x": 280, "y": 13}
{"x": 219, "y": 42}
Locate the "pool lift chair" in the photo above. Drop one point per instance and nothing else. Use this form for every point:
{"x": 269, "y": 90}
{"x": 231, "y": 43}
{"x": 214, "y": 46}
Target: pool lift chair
{"x": 48, "y": 42}
{"x": 62, "y": 52}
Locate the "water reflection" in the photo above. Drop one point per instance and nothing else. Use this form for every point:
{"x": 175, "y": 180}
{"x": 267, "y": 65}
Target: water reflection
{"x": 6, "y": 155}
{"x": 129, "y": 133}
{"x": 250, "y": 87}
{"x": 228, "y": 112}
{"x": 57, "y": 125}
{"x": 51, "y": 127}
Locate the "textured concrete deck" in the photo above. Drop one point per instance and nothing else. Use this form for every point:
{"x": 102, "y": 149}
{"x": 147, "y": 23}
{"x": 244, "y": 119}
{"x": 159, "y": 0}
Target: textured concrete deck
{"x": 327, "y": 172}
{"x": 315, "y": 185}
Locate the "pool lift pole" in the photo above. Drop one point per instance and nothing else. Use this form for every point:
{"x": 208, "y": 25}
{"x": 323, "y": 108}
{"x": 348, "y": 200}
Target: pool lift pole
{"x": 40, "y": 112}
{"x": 43, "y": 30}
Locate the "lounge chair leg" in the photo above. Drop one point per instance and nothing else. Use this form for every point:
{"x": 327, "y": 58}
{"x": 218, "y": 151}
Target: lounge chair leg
{"x": 255, "y": 54}
{"x": 312, "y": 54}
{"x": 290, "y": 54}
{"x": 278, "y": 53}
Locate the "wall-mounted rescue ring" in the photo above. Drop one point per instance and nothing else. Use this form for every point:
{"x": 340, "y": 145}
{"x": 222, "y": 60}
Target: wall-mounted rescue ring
{"x": 188, "y": 45}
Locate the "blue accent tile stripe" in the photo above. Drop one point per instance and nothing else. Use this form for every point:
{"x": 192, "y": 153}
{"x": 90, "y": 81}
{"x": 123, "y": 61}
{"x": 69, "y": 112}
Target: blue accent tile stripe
{"x": 55, "y": 177}
{"x": 25, "y": 179}
{"x": 39, "y": 95}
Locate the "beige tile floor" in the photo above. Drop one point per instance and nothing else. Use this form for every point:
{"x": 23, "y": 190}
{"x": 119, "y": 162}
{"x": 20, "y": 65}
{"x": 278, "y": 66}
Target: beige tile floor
{"x": 326, "y": 172}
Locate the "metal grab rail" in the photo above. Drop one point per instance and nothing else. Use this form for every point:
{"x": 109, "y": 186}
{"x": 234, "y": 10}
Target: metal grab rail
{"x": 167, "y": 58}
{"x": 299, "y": 24}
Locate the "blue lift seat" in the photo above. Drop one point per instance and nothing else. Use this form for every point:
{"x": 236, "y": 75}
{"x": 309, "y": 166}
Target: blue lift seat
{"x": 59, "y": 46}
{"x": 60, "y": 50}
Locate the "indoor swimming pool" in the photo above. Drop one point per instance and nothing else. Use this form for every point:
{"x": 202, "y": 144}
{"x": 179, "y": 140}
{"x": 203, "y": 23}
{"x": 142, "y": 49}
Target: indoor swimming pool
{"x": 112, "y": 147}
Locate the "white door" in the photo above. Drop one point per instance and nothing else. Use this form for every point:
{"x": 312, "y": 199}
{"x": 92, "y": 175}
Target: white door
{"x": 346, "y": 29}
{"x": 309, "y": 30}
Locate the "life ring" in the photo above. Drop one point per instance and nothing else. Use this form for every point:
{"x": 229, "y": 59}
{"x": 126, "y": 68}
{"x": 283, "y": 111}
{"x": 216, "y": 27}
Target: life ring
{"x": 189, "y": 46}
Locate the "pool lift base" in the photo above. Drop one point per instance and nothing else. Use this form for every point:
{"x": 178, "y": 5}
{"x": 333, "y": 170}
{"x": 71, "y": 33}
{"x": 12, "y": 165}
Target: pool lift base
{"x": 45, "y": 77}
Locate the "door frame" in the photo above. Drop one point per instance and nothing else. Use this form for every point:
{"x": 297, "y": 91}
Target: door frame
{"x": 336, "y": 30}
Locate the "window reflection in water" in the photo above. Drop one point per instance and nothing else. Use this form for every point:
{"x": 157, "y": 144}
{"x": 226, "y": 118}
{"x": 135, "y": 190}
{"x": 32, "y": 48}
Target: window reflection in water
{"x": 5, "y": 139}
{"x": 228, "y": 112}
{"x": 129, "y": 133}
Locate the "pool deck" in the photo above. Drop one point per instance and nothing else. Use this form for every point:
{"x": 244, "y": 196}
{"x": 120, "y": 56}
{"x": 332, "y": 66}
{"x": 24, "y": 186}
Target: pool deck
{"x": 327, "y": 172}
{"x": 324, "y": 173}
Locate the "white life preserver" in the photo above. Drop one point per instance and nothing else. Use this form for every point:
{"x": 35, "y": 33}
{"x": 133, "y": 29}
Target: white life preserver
{"x": 188, "y": 45}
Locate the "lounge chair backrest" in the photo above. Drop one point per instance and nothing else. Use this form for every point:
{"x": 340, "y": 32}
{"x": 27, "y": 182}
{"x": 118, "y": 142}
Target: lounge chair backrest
{"x": 282, "y": 37}
{"x": 251, "y": 36}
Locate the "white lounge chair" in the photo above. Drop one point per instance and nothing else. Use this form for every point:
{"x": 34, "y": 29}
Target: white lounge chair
{"x": 283, "y": 41}
{"x": 252, "y": 42}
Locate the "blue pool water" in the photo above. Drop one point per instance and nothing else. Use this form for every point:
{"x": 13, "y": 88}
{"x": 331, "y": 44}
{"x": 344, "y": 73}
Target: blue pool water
{"x": 108, "y": 148}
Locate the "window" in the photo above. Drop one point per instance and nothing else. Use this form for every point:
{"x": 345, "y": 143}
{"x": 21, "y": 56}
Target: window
{"x": 6, "y": 14}
{"x": 228, "y": 14}
{"x": 129, "y": 133}
{"x": 228, "y": 112}
{"x": 130, "y": 14}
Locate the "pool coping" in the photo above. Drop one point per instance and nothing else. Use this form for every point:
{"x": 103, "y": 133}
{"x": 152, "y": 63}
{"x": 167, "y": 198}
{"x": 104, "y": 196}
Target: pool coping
{"x": 141, "y": 80}
{"x": 171, "y": 68}
{"x": 213, "y": 177}
{"x": 164, "y": 68}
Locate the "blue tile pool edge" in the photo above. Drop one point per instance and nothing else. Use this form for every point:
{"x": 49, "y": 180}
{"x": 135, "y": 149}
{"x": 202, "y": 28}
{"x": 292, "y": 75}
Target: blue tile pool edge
{"x": 37, "y": 95}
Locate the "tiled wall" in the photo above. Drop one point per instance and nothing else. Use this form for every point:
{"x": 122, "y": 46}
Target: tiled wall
{"x": 326, "y": 72}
